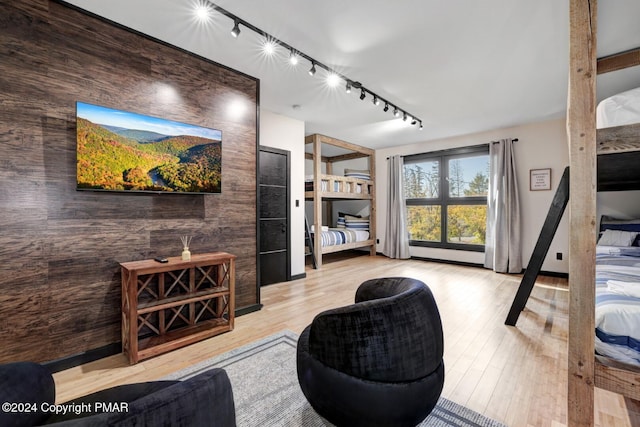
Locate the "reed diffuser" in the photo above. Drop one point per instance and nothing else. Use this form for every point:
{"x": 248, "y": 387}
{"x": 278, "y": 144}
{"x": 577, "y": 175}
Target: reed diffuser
{"x": 186, "y": 254}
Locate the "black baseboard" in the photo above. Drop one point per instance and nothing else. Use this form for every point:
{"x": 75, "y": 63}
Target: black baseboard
{"x": 111, "y": 349}
{"x": 447, "y": 261}
{"x": 554, "y": 274}
{"x": 248, "y": 309}
{"x": 299, "y": 276}
{"x": 82, "y": 358}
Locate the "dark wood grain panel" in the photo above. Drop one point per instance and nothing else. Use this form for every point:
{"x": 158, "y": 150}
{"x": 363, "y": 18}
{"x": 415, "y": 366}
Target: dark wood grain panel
{"x": 273, "y": 202}
{"x": 61, "y": 247}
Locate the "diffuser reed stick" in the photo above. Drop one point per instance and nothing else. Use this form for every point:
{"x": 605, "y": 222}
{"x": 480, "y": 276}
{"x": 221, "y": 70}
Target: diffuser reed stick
{"x": 186, "y": 254}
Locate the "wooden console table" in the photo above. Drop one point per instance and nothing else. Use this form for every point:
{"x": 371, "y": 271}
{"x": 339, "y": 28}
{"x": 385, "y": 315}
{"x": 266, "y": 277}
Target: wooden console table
{"x": 169, "y": 305}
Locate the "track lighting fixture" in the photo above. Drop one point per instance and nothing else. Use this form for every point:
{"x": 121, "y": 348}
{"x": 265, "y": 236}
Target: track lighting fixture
{"x": 293, "y": 58}
{"x": 333, "y": 77}
{"x": 420, "y": 128}
{"x": 202, "y": 12}
{"x": 235, "y": 32}
{"x": 269, "y": 47}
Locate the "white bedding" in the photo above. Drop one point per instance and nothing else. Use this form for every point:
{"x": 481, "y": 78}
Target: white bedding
{"x": 617, "y": 315}
{"x": 620, "y": 109}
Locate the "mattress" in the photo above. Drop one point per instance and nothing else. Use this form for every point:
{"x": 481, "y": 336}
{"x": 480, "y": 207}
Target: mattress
{"x": 350, "y": 187}
{"x": 617, "y": 312}
{"x": 620, "y": 109}
{"x": 335, "y": 236}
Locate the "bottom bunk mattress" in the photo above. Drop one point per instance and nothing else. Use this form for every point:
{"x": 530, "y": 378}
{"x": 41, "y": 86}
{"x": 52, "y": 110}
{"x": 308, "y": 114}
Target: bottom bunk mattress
{"x": 341, "y": 236}
{"x": 617, "y": 316}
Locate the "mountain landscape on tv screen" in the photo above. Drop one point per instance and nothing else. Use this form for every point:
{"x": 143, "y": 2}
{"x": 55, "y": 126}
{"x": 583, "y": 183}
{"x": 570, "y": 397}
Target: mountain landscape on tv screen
{"x": 116, "y": 158}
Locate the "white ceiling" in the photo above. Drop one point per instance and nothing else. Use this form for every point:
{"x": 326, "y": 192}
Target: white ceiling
{"x": 461, "y": 66}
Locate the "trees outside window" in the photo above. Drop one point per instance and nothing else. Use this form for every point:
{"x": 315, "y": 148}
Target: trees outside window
{"x": 446, "y": 198}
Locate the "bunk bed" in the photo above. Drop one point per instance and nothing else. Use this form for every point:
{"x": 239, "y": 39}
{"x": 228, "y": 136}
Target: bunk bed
{"x": 599, "y": 160}
{"x": 323, "y": 188}
{"x": 617, "y": 307}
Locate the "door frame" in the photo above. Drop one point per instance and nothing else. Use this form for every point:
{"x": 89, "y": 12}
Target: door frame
{"x": 288, "y": 210}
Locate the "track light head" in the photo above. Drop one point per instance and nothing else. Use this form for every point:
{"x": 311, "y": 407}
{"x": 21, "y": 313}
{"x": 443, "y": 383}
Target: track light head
{"x": 269, "y": 47}
{"x": 362, "y": 94}
{"x": 413, "y": 122}
{"x": 235, "y": 32}
{"x": 312, "y": 70}
{"x": 347, "y": 87}
{"x": 376, "y": 101}
{"x": 404, "y": 117}
{"x": 293, "y": 58}
{"x": 420, "y": 128}
{"x": 396, "y": 113}
{"x": 202, "y": 12}
{"x": 386, "y": 107}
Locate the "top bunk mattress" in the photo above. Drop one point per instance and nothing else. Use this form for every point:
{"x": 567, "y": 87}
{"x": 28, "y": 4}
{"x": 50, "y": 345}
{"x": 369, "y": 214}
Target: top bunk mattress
{"x": 618, "y": 110}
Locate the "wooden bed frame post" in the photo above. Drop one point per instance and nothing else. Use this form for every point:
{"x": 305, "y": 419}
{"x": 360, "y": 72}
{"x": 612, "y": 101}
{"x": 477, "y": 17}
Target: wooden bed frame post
{"x": 581, "y": 135}
{"x": 317, "y": 199}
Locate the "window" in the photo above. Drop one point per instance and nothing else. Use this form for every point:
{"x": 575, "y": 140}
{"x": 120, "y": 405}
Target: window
{"x": 446, "y": 197}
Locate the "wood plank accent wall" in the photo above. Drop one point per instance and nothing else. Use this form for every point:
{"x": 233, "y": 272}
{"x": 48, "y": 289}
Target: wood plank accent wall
{"x": 60, "y": 248}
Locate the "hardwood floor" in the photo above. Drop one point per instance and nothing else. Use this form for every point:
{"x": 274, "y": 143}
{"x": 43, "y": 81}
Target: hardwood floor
{"x": 516, "y": 375}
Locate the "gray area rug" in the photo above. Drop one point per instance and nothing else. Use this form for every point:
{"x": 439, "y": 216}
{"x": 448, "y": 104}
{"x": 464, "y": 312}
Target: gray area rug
{"x": 266, "y": 390}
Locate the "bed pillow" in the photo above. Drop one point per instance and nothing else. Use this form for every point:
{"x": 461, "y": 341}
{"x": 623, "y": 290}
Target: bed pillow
{"x": 611, "y": 223}
{"x": 358, "y": 223}
{"x": 617, "y": 238}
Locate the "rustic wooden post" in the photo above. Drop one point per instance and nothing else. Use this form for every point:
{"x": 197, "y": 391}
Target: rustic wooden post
{"x": 317, "y": 198}
{"x": 581, "y": 133}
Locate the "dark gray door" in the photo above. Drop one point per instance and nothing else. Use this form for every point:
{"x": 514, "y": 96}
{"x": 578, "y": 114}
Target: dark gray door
{"x": 273, "y": 221}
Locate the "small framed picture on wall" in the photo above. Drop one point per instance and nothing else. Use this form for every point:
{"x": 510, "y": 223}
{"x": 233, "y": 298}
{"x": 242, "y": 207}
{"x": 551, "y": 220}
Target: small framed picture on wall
{"x": 539, "y": 179}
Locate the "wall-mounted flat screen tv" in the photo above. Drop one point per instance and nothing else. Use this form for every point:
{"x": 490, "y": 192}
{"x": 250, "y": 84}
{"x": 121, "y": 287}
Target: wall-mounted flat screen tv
{"x": 124, "y": 151}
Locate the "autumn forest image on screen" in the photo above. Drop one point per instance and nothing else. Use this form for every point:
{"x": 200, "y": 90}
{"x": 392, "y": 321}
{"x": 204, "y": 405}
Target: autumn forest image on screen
{"x": 124, "y": 151}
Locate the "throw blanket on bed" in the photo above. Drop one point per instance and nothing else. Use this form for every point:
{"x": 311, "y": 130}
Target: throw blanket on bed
{"x": 631, "y": 289}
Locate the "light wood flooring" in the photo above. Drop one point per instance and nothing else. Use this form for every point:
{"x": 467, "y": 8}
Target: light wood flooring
{"x": 516, "y": 375}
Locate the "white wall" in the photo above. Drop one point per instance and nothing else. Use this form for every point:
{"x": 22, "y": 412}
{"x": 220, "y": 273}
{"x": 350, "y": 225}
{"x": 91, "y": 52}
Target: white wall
{"x": 282, "y": 132}
{"x": 618, "y": 204}
{"x": 540, "y": 145}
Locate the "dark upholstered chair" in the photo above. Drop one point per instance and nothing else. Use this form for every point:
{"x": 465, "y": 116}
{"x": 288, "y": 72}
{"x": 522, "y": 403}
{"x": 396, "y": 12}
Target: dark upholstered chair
{"x": 377, "y": 362}
{"x": 203, "y": 400}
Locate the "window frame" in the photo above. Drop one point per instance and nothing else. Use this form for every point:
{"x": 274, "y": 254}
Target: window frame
{"x": 444, "y": 200}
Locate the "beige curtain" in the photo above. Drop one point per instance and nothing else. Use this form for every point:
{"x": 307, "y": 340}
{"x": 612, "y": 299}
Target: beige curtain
{"x": 503, "y": 252}
{"x": 396, "y": 238}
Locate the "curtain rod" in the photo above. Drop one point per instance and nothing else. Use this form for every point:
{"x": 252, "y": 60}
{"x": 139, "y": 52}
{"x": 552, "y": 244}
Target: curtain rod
{"x": 471, "y": 146}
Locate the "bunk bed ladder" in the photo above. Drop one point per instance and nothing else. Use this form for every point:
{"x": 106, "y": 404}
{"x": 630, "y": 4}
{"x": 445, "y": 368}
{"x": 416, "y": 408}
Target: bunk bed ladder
{"x": 308, "y": 241}
{"x": 549, "y": 228}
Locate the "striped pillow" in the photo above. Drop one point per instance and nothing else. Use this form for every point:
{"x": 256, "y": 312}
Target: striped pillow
{"x": 358, "y": 223}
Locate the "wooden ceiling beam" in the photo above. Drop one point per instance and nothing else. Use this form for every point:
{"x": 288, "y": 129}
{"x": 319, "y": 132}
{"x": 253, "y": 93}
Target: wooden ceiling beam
{"x": 619, "y": 61}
